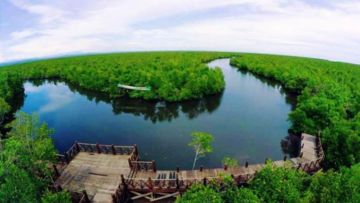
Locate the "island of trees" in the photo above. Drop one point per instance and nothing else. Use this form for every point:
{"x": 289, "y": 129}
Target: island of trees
{"x": 328, "y": 105}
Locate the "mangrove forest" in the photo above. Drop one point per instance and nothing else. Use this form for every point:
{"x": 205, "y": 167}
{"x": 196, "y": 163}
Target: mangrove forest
{"x": 173, "y": 97}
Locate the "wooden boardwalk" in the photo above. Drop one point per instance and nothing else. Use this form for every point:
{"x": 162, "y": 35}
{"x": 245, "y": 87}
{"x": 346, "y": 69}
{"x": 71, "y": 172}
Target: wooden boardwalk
{"x": 96, "y": 169}
{"x": 98, "y": 174}
{"x": 114, "y": 173}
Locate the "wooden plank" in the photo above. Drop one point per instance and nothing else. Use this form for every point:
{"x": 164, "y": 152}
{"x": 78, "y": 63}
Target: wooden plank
{"x": 165, "y": 197}
{"x": 139, "y": 195}
{"x": 98, "y": 174}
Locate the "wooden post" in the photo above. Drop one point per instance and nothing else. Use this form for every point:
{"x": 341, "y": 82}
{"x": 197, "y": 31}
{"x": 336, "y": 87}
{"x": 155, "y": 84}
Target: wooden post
{"x": 154, "y": 165}
{"x": 307, "y": 167}
{"x": 225, "y": 167}
{"x": 130, "y": 164}
{"x": 114, "y": 199}
{"x": 317, "y": 139}
{"x": 246, "y": 164}
{"x": 136, "y": 150}
{"x": 122, "y": 179}
{"x": 317, "y": 163}
{"x": 86, "y": 197}
{"x": 77, "y": 147}
{"x": 177, "y": 183}
{"x": 66, "y": 156}
{"x": 233, "y": 177}
{"x": 113, "y": 149}
{"x": 285, "y": 157}
{"x": 59, "y": 188}
{"x": 98, "y": 148}
{"x": 56, "y": 170}
{"x": 201, "y": 168}
{"x": 177, "y": 169}
{"x": 150, "y": 182}
{"x": 204, "y": 181}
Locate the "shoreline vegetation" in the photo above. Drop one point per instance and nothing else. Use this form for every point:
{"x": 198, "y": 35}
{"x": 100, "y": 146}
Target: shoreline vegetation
{"x": 328, "y": 105}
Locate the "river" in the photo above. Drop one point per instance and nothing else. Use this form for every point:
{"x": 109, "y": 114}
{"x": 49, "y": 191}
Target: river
{"x": 248, "y": 120}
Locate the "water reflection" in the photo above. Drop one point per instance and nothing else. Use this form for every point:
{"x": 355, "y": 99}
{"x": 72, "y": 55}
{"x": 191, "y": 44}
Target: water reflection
{"x": 155, "y": 111}
{"x": 58, "y": 96}
{"x": 248, "y": 120}
{"x": 290, "y": 97}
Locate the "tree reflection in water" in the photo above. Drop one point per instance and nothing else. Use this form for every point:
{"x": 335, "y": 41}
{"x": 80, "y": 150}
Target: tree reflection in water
{"x": 155, "y": 111}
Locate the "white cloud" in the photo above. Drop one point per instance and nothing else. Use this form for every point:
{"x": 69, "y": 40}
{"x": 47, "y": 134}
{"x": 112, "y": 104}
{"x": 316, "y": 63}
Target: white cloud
{"x": 57, "y": 96}
{"x": 22, "y": 34}
{"x": 275, "y": 26}
{"x": 47, "y": 14}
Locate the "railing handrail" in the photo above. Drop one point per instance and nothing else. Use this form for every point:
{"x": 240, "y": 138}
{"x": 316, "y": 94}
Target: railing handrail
{"x": 106, "y": 145}
{"x": 145, "y": 162}
{"x": 70, "y": 149}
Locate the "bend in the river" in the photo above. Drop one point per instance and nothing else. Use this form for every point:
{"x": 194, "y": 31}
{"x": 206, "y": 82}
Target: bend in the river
{"x": 248, "y": 120}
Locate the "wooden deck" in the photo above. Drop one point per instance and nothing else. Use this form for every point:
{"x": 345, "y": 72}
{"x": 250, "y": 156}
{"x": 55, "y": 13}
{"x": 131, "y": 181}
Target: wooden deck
{"x": 98, "y": 174}
{"x": 96, "y": 169}
{"x": 110, "y": 173}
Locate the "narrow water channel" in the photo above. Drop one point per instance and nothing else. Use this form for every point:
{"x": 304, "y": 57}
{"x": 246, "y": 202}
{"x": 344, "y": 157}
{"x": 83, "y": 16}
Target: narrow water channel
{"x": 248, "y": 120}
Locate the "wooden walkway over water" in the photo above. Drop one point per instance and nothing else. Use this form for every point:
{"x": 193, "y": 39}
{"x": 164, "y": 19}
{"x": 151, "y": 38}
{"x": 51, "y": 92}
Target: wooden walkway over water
{"x": 108, "y": 173}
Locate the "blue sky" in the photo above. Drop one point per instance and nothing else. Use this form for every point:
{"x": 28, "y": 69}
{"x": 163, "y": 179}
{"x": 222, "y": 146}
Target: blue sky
{"x": 46, "y": 28}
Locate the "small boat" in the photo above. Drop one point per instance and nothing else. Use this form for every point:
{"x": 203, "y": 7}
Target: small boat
{"x": 128, "y": 87}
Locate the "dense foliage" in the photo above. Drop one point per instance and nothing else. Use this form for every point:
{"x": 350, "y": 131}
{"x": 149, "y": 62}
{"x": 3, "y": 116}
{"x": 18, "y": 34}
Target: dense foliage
{"x": 172, "y": 76}
{"x": 329, "y": 101}
{"x": 278, "y": 184}
{"x": 4, "y": 108}
{"x": 328, "y": 104}
{"x": 24, "y": 163}
{"x": 282, "y": 184}
{"x": 218, "y": 192}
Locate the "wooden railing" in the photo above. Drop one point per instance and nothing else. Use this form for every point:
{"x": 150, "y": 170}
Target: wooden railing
{"x": 176, "y": 184}
{"x": 143, "y": 166}
{"x": 314, "y": 165}
{"x": 319, "y": 148}
{"x": 71, "y": 153}
{"x": 106, "y": 149}
{"x": 63, "y": 160}
{"x": 181, "y": 184}
{"x": 173, "y": 182}
{"x": 161, "y": 185}
{"x": 122, "y": 194}
{"x": 243, "y": 178}
{"x": 80, "y": 197}
{"x": 98, "y": 148}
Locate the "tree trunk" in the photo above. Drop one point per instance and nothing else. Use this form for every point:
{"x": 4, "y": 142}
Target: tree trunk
{"x": 196, "y": 155}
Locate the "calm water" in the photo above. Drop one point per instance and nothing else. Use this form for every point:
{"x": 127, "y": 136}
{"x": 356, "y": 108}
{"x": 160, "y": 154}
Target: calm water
{"x": 248, "y": 120}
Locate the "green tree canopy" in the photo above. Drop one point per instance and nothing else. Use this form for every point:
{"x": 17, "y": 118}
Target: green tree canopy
{"x": 230, "y": 162}
{"x": 201, "y": 142}
{"x": 198, "y": 193}
{"x": 4, "y": 108}
{"x": 25, "y": 160}
{"x": 278, "y": 184}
